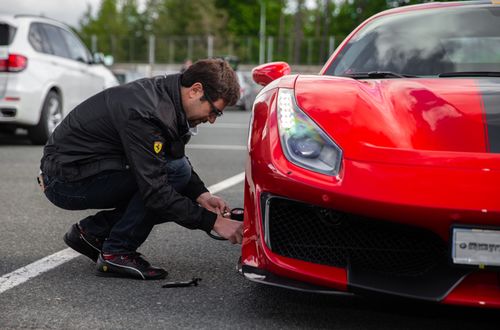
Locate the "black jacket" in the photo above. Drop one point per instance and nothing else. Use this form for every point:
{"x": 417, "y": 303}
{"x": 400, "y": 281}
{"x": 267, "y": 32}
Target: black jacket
{"x": 117, "y": 129}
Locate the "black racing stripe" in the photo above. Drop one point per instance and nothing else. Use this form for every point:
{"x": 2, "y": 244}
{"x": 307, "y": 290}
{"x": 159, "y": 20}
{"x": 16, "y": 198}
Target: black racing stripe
{"x": 490, "y": 92}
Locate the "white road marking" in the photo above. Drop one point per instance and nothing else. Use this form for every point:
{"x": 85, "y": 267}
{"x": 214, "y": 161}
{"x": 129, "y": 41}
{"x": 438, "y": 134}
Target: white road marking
{"x": 215, "y": 147}
{"x": 24, "y": 274}
{"x": 229, "y": 182}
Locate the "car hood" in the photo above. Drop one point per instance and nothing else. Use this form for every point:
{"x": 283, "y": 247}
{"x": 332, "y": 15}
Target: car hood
{"x": 432, "y": 115}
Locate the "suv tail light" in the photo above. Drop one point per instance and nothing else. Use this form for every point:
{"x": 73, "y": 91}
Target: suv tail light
{"x": 14, "y": 63}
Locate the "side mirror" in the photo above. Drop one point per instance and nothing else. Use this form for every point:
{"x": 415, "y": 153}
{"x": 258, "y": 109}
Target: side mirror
{"x": 100, "y": 58}
{"x": 265, "y": 73}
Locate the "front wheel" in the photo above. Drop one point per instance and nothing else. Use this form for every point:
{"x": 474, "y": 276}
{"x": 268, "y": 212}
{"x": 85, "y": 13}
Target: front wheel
{"x": 50, "y": 117}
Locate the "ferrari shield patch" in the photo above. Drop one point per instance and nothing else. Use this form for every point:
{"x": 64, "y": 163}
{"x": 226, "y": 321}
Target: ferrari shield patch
{"x": 157, "y": 146}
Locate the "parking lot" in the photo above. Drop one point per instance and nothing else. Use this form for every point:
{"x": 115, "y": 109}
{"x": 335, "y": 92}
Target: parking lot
{"x": 71, "y": 296}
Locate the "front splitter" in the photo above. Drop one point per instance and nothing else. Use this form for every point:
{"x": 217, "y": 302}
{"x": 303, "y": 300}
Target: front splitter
{"x": 264, "y": 277}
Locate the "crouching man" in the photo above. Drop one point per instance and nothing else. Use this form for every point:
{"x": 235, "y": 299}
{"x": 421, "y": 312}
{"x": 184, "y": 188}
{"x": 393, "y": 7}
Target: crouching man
{"x": 123, "y": 150}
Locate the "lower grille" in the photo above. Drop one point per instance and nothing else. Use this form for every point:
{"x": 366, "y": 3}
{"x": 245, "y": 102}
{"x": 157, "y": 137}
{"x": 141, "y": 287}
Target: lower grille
{"x": 325, "y": 236}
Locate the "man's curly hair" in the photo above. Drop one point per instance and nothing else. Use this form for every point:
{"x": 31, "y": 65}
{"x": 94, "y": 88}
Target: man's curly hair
{"x": 217, "y": 77}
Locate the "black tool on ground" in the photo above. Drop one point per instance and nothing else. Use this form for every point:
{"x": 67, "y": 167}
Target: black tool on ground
{"x": 193, "y": 282}
{"x": 235, "y": 214}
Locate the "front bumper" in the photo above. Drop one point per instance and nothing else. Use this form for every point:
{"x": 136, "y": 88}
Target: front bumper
{"x": 264, "y": 277}
{"x": 271, "y": 255}
{"x": 380, "y": 256}
{"x": 426, "y": 192}
{"x": 22, "y": 99}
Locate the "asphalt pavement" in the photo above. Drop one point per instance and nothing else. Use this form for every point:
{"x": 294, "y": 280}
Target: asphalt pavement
{"x": 70, "y": 296}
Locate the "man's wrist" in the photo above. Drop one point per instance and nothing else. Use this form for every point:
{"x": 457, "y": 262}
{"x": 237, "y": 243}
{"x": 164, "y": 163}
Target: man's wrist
{"x": 203, "y": 197}
{"x": 208, "y": 220}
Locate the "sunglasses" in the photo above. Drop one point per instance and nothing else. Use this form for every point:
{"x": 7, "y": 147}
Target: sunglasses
{"x": 214, "y": 109}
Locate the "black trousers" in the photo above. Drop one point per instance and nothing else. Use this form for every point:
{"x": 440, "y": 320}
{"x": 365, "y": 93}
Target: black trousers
{"x": 126, "y": 224}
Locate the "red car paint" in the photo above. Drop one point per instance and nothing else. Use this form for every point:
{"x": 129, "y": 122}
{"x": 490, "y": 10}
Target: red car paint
{"x": 416, "y": 151}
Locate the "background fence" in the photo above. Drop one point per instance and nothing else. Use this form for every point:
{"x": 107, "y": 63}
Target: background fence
{"x": 176, "y": 49}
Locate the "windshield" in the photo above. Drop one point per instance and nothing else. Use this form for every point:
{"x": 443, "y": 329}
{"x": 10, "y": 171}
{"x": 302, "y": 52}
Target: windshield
{"x": 425, "y": 43}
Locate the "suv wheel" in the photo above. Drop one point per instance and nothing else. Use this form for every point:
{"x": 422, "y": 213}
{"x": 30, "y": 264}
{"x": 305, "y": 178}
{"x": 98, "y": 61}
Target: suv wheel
{"x": 51, "y": 117}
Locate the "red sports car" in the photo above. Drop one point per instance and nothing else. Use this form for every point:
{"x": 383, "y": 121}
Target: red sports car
{"x": 382, "y": 173}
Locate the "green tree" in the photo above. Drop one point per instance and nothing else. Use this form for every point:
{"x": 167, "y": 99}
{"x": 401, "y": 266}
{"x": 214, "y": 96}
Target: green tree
{"x": 244, "y": 16}
{"x": 134, "y": 38}
{"x": 352, "y": 13}
{"x": 106, "y": 26}
{"x": 242, "y": 28}
{"x": 298, "y": 31}
{"x": 182, "y": 27}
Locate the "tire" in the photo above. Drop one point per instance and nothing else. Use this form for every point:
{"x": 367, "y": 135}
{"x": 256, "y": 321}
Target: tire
{"x": 50, "y": 117}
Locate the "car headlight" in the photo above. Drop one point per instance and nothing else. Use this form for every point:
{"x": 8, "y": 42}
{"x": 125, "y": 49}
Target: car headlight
{"x": 303, "y": 142}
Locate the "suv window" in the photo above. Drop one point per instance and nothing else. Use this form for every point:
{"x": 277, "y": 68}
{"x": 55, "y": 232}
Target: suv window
{"x": 77, "y": 51}
{"x": 38, "y": 39}
{"x": 6, "y": 34}
{"x": 56, "y": 40}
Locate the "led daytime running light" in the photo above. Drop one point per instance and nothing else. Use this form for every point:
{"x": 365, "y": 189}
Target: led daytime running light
{"x": 286, "y": 115}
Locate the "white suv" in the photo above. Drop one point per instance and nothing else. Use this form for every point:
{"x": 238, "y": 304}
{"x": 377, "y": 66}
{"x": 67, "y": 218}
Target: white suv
{"x": 45, "y": 71}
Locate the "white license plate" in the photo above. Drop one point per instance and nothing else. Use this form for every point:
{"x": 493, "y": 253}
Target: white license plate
{"x": 479, "y": 247}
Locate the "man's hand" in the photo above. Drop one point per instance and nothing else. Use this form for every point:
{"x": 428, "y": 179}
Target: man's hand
{"x": 231, "y": 230}
{"x": 213, "y": 203}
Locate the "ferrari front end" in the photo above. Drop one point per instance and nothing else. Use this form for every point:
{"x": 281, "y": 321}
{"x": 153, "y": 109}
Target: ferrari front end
{"x": 376, "y": 219}
{"x": 382, "y": 174}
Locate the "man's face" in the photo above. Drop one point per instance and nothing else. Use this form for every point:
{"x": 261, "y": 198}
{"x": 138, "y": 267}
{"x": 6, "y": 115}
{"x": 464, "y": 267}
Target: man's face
{"x": 206, "y": 111}
{"x": 198, "y": 106}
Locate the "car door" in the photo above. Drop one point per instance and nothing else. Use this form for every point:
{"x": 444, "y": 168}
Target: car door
{"x": 72, "y": 74}
{"x": 90, "y": 82}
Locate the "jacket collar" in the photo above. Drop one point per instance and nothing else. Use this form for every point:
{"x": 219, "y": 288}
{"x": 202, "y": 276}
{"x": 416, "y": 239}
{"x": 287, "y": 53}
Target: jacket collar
{"x": 172, "y": 85}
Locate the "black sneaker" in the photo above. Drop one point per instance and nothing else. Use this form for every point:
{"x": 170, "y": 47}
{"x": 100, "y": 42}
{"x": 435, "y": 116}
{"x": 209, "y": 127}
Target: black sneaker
{"x": 83, "y": 243}
{"x": 128, "y": 265}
